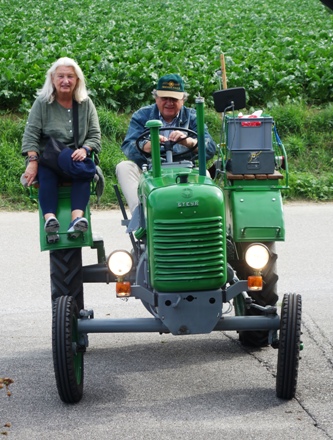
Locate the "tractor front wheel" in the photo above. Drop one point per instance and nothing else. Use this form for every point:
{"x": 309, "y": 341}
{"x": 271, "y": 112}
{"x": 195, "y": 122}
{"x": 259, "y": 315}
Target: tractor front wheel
{"x": 289, "y": 346}
{"x": 67, "y": 351}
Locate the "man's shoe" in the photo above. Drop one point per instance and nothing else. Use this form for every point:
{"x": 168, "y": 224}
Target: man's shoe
{"x": 77, "y": 226}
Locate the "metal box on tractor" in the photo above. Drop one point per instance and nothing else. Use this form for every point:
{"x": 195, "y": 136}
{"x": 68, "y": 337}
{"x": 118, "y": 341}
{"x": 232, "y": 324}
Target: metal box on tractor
{"x": 203, "y": 259}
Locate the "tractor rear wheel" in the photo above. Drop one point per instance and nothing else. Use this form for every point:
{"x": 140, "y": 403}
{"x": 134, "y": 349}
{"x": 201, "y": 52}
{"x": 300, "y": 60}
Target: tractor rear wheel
{"x": 67, "y": 353}
{"x": 267, "y": 296}
{"x": 289, "y": 346}
{"x": 66, "y": 274}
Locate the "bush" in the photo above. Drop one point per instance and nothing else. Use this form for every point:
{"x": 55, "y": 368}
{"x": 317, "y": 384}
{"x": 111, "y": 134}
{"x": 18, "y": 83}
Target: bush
{"x": 305, "y": 133}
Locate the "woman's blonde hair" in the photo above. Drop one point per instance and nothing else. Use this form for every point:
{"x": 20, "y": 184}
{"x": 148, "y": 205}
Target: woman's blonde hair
{"x": 48, "y": 91}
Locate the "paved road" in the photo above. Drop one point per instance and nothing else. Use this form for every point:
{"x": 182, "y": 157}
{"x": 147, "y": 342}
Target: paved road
{"x": 147, "y": 386}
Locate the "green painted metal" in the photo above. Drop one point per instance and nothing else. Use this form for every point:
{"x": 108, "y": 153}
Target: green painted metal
{"x": 64, "y": 216}
{"x": 256, "y": 216}
{"x": 154, "y": 126}
{"x": 239, "y": 305}
{"x": 254, "y": 185}
{"x": 185, "y": 231}
{"x": 201, "y": 134}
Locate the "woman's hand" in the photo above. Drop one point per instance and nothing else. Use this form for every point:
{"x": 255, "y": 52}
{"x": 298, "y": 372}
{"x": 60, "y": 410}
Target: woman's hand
{"x": 31, "y": 172}
{"x": 79, "y": 155}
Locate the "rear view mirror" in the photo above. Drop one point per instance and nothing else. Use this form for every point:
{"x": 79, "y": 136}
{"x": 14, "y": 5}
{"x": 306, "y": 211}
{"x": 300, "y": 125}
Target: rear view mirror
{"x": 328, "y": 3}
{"x": 229, "y": 99}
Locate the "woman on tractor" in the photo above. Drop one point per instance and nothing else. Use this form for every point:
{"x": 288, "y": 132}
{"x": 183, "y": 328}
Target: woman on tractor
{"x": 51, "y": 116}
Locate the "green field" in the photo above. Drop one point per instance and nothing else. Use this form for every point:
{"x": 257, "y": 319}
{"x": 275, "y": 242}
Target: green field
{"x": 280, "y": 51}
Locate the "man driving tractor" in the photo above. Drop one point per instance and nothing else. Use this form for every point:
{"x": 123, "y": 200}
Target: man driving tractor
{"x": 169, "y": 108}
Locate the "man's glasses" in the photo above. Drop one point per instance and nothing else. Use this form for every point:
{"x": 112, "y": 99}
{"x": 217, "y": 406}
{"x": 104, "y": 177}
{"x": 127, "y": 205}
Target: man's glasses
{"x": 165, "y": 99}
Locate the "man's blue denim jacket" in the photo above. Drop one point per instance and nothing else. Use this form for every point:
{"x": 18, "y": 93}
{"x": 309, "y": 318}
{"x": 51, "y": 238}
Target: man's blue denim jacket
{"x": 187, "y": 119}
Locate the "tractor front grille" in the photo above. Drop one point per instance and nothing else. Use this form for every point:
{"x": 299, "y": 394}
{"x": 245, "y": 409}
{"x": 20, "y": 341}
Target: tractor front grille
{"x": 188, "y": 254}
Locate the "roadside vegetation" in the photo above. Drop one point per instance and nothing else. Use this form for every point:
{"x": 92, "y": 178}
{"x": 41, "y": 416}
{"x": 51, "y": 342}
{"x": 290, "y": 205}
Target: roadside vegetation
{"x": 281, "y": 52}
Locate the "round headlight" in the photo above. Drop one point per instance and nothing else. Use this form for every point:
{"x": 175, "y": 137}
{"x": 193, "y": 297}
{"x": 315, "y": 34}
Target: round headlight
{"x": 257, "y": 256}
{"x": 120, "y": 263}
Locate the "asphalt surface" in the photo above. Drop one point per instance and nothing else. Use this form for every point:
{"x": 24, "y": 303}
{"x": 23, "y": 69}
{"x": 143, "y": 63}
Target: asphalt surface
{"x": 147, "y": 386}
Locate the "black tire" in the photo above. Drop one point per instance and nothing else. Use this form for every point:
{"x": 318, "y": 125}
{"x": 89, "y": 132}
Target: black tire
{"x": 67, "y": 353}
{"x": 289, "y": 346}
{"x": 66, "y": 274}
{"x": 267, "y": 296}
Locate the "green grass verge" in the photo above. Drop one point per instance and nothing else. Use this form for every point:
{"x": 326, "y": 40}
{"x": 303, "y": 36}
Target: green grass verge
{"x": 305, "y": 133}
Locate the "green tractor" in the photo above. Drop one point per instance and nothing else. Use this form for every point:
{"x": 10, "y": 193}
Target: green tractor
{"x": 202, "y": 247}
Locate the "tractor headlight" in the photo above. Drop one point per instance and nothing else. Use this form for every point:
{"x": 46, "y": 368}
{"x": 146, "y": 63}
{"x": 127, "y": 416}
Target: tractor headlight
{"x": 257, "y": 256}
{"x": 120, "y": 263}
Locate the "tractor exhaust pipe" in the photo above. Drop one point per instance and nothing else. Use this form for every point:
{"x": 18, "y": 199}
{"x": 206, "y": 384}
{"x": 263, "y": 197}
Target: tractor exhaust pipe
{"x": 201, "y": 135}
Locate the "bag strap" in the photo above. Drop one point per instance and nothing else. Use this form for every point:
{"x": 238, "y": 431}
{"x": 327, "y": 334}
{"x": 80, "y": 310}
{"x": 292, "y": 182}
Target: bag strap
{"x": 76, "y": 124}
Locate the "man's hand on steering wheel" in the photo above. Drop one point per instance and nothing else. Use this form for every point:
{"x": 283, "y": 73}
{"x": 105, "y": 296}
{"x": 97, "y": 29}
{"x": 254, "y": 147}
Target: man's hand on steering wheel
{"x": 176, "y": 137}
{"x": 179, "y": 137}
{"x": 147, "y": 146}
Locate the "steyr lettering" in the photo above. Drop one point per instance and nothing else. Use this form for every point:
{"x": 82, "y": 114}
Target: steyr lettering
{"x": 187, "y": 204}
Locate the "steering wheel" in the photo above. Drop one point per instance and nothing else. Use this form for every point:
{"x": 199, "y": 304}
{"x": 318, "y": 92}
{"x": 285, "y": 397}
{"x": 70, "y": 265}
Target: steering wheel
{"x": 168, "y": 145}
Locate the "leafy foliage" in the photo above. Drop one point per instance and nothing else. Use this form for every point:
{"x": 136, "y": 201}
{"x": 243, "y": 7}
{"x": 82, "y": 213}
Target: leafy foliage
{"x": 311, "y": 187}
{"x": 305, "y": 132}
{"x": 280, "y": 51}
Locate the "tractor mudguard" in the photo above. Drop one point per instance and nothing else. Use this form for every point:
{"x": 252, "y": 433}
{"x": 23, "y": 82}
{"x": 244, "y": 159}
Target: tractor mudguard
{"x": 256, "y": 216}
